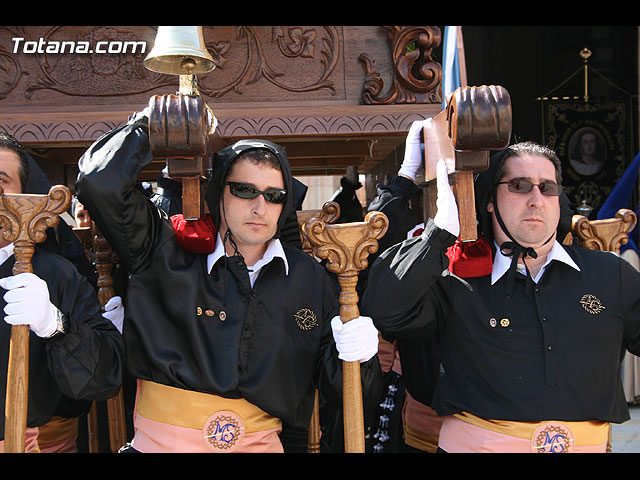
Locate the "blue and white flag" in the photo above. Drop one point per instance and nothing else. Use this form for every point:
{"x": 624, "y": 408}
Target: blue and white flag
{"x": 451, "y": 78}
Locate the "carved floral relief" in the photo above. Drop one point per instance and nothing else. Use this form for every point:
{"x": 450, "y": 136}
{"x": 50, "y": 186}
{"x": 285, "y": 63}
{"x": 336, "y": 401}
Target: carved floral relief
{"x": 417, "y": 77}
{"x": 253, "y": 63}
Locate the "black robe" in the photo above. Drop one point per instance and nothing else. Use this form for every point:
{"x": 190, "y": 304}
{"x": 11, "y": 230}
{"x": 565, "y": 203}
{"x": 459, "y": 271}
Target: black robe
{"x": 270, "y": 344}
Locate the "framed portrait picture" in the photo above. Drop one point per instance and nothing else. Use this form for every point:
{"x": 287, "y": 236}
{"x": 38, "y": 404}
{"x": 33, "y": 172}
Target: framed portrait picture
{"x": 592, "y": 140}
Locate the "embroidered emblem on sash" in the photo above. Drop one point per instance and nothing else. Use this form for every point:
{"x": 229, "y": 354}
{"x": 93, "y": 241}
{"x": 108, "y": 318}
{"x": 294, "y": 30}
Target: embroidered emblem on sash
{"x": 504, "y": 322}
{"x": 306, "y": 319}
{"x": 492, "y": 322}
{"x": 198, "y": 311}
{"x": 552, "y": 437}
{"x": 223, "y": 432}
{"x": 591, "y": 304}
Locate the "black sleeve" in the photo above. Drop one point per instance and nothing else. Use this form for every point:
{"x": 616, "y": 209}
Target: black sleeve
{"x": 406, "y": 294}
{"x": 392, "y": 200}
{"x": 420, "y": 358}
{"x": 106, "y": 186}
{"x": 629, "y": 288}
{"x": 87, "y": 360}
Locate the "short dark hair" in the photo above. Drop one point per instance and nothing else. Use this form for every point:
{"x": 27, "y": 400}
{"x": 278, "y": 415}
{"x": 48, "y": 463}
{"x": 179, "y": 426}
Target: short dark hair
{"x": 528, "y": 148}
{"x": 7, "y": 142}
{"x": 259, "y": 156}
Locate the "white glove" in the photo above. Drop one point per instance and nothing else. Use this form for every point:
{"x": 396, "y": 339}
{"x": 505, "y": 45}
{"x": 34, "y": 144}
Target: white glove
{"x": 447, "y": 215}
{"x": 114, "y": 312}
{"x": 413, "y": 158}
{"x": 28, "y": 303}
{"x": 356, "y": 340}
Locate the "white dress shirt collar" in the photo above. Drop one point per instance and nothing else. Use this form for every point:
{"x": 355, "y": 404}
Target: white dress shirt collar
{"x": 501, "y": 263}
{"x": 274, "y": 249}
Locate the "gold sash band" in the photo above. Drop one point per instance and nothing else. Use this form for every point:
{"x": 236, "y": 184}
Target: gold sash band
{"x": 190, "y": 409}
{"x": 585, "y": 433}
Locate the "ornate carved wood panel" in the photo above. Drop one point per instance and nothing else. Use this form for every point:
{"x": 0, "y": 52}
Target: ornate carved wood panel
{"x": 303, "y": 86}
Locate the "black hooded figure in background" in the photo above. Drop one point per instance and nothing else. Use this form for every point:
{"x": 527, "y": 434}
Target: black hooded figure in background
{"x": 350, "y": 206}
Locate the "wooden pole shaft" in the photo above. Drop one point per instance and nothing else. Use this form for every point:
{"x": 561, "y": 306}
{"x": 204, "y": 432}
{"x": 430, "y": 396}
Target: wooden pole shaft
{"x": 18, "y": 369}
{"x": 92, "y": 429}
{"x": 24, "y": 220}
{"x": 17, "y": 390}
{"x": 314, "y": 435}
{"x": 353, "y": 408}
{"x": 352, "y": 381}
{"x": 115, "y": 405}
{"x": 117, "y": 425}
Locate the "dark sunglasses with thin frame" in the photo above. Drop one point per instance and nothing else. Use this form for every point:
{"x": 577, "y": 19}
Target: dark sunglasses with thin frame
{"x": 248, "y": 192}
{"x": 522, "y": 185}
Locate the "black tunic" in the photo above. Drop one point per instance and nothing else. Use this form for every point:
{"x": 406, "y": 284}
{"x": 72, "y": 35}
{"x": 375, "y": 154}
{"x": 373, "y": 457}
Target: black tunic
{"x": 555, "y": 357}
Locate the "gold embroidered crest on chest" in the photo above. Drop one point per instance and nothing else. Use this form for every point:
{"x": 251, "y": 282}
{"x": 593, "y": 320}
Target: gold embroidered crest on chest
{"x": 306, "y": 319}
{"x": 591, "y": 304}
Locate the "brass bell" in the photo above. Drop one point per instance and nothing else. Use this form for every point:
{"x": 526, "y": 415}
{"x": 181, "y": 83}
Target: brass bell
{"x": 179, "y": 51}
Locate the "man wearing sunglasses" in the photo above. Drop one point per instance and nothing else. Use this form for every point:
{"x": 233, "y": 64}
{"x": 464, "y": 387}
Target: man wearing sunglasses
{"x": 229, "y": 346}
{"x": 531, "y": 334}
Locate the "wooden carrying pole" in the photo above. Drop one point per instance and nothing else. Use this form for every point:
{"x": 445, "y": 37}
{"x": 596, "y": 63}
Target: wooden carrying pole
{"x": 115, "y": 405}
{"x": 476, "y": 120}
{"x": 329, "y": 213}
{"x": 346, "y": 247}
{"x": 85, "y": 235}
{"x": 24, "y": 219}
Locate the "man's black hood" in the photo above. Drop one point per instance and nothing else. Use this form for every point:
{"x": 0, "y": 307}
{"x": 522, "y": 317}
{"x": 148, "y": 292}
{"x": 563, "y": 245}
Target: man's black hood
{"x": 223, "y": 159}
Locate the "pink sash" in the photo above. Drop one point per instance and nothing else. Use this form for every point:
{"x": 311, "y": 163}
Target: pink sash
{"x": 173, "y": 420}
{"x": 459, "y": 436}
{"x": 30, "y": 441}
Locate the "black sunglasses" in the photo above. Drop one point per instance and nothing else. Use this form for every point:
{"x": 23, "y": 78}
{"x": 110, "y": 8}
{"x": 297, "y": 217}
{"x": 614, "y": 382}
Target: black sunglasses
{"x": 521, "y": 185}
{"x": 247, "y": 191}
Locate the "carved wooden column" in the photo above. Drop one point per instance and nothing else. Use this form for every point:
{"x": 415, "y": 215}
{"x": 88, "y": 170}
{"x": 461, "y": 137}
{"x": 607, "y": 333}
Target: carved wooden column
{"x": 24, "y": 219}
{"x": 346, "y": 246}
{"x": 115, "y": 406}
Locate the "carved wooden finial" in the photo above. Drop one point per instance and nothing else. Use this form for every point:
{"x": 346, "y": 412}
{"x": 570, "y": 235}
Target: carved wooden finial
{"x": 24, "y": 219}
{"x": 346, "y": 246}
{"x": 607, "y": 234}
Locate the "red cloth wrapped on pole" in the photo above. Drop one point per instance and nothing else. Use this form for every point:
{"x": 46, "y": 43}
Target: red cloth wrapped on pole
{"x": 198, "y": 236}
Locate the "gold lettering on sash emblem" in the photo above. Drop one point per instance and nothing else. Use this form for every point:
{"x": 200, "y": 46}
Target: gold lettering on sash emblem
{"x": 223, "y": 432}
{"x": 552, "y": 437}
